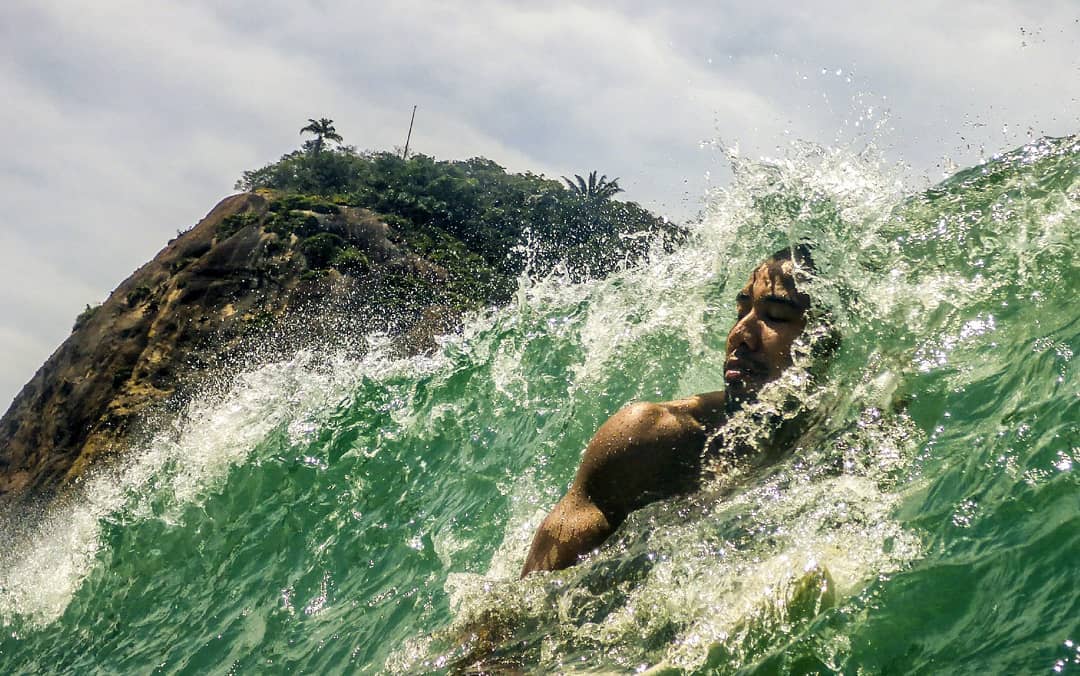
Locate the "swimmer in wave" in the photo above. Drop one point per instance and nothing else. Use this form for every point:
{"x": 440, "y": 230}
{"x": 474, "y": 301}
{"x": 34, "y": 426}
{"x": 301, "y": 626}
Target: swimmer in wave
{"x": 651, "y": 451}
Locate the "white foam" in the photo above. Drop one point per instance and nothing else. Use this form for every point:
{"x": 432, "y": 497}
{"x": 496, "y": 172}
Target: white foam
{"x": 701, "y": 586}
{"x": 43, "y": 568}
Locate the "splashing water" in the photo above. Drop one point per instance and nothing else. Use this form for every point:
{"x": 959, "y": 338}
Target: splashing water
{"x": 329, "y": 515}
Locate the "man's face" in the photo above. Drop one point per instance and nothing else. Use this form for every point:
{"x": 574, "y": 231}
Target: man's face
{"x": 772, "y": 314}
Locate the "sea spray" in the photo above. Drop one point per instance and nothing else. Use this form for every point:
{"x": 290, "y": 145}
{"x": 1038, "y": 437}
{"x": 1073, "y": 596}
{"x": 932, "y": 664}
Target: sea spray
{"x": 678, "y": 590}
{"x": 47, "y": 562}
{"x": 349, "y": 514}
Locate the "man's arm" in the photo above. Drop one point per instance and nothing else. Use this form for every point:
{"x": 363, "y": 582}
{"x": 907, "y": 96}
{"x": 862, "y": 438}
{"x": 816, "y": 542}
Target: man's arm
{"x": 575, "y": 526}
{"x": 643, "y": 453}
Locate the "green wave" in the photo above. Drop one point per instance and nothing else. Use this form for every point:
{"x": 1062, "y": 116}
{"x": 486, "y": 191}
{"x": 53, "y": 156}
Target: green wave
{"x": 333, "y": 515}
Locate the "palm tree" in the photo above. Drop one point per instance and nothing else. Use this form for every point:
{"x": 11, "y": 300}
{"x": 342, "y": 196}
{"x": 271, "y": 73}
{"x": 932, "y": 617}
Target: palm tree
{"x": 323, "y": 128}
{"x": 594, "y": 189}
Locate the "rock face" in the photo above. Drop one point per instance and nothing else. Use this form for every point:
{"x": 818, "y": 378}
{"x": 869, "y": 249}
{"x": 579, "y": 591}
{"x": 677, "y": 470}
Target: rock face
{"x": 254, "y": 268}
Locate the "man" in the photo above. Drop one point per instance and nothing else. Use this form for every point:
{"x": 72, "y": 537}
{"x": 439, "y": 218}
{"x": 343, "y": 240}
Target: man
{"x": 650, "y": 451}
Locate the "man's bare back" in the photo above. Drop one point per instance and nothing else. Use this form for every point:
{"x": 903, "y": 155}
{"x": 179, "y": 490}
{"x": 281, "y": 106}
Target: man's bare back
{"x": 651, "y": 451}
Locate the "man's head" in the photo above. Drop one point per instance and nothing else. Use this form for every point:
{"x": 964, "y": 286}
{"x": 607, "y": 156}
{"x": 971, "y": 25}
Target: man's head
{"x": 772, "y": 314}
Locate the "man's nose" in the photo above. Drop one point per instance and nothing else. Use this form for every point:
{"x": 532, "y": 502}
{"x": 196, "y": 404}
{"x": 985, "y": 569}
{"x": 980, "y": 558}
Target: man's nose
{"x": 745, "y": 333}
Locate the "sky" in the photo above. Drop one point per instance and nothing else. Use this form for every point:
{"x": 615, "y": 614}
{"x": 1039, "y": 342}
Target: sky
{"x": 126, "y": 121}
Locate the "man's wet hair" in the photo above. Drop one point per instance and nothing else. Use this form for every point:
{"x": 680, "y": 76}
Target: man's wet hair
{"x": 800, "y": 254}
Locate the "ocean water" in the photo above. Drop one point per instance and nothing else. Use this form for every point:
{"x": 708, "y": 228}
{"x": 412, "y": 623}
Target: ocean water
{"x": 336, "y": 514}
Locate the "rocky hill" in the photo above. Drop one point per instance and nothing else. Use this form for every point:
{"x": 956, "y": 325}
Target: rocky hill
{"x": 270, "y": 270}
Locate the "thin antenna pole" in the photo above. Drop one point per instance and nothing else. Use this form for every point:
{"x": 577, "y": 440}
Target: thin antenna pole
{"x": 405, "y": 152}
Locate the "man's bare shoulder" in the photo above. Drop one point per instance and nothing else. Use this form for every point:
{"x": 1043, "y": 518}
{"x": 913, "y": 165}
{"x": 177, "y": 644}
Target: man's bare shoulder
{"x": 705, "y": 407}
{"x": 647, "y": 451}
{"x": 648, "y": 423}
{"x": 699, "y": 411}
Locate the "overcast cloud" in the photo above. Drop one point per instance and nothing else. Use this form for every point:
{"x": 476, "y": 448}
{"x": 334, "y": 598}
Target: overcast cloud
{"x": 127, "y": 120}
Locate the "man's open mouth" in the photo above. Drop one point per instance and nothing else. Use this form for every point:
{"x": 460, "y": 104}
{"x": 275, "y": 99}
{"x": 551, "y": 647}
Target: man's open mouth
{"x": 739, "y": 369}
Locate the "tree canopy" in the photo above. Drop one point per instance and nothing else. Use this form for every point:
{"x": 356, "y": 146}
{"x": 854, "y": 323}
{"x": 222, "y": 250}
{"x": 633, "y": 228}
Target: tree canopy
{"x": 595, "y": 189}
{"x": 513, "y": 221}
{"x": 323, "y": 129}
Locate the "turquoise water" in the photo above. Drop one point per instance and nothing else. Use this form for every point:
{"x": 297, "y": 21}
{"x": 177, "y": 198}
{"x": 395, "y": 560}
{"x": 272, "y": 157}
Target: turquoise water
{"x": 334, "y": 514}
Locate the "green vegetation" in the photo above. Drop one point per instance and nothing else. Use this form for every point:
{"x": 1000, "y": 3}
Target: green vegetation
{"x": 470, "y": 226}
{"x": 476, "y": 202}
{"x": 601, "y": 189}
{"x": 351, "y": 260}
{"x": 321, "y": 249}
{"x": 287, "y": 223}
{"x": 296, "y": 202}
{"x": 137, "y": 295}
{"x": 323, "y": 129}
{"x": 230, "y": 225}
{"x": 85, "y": 316}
